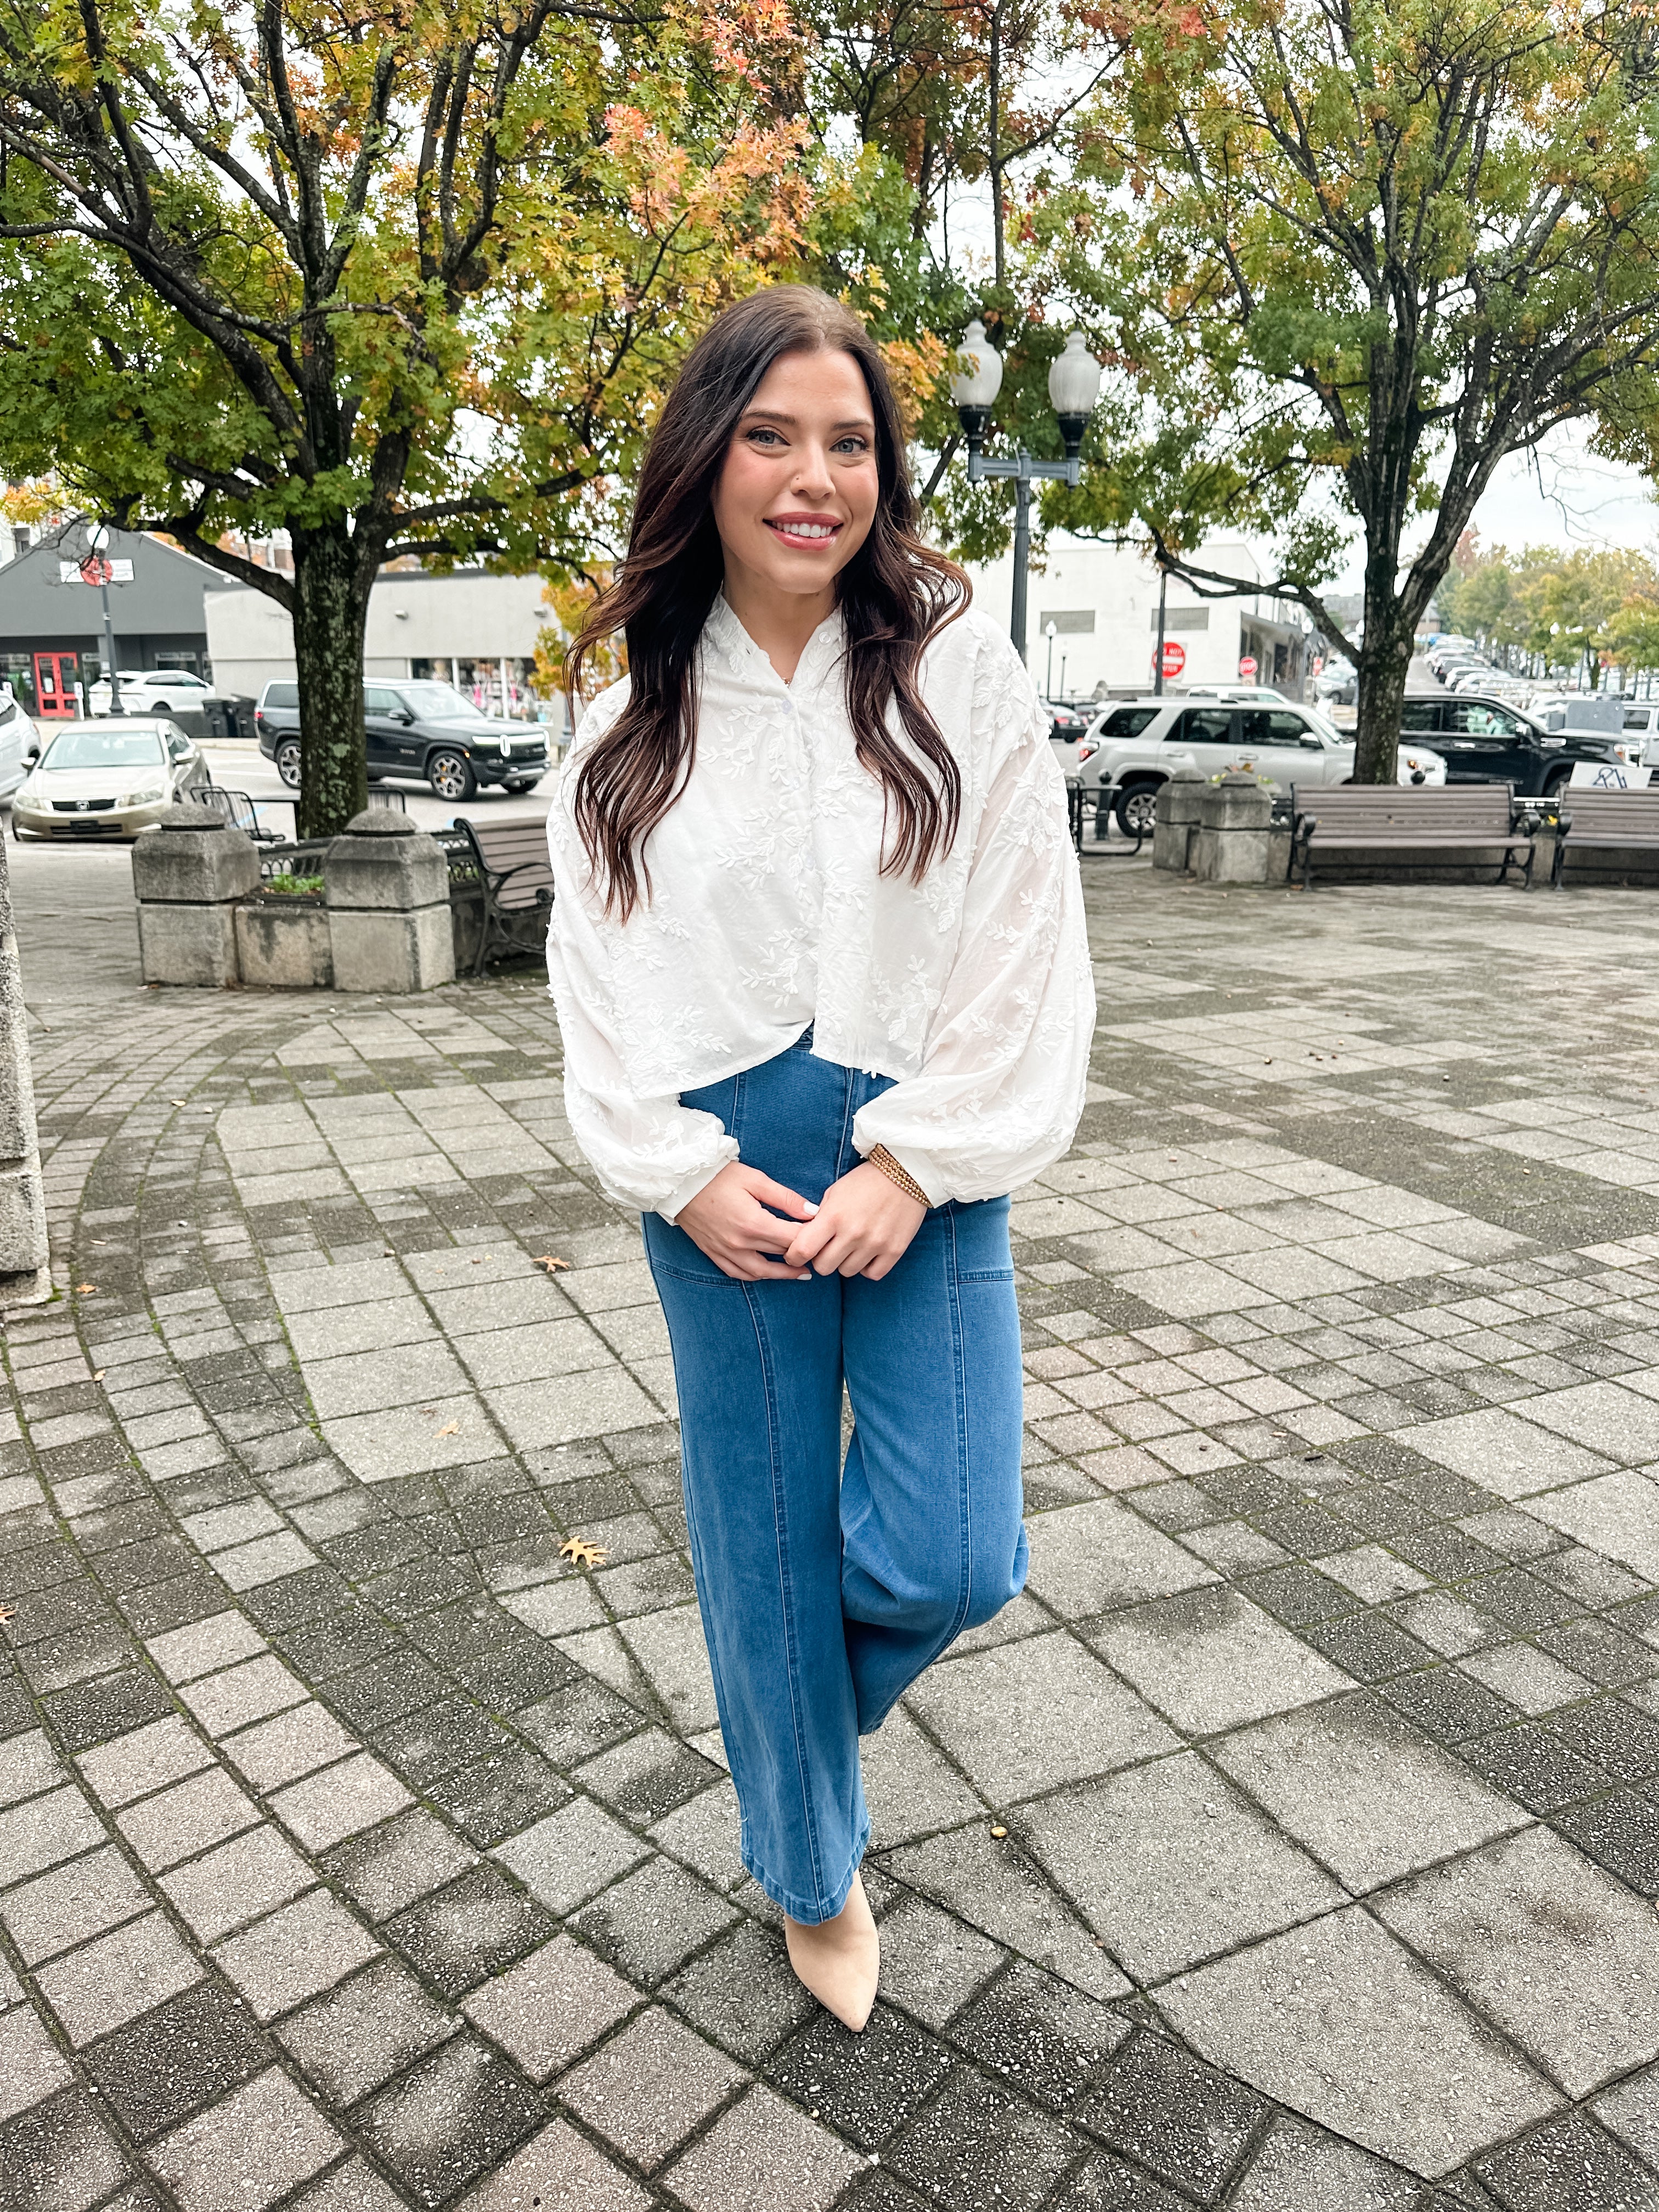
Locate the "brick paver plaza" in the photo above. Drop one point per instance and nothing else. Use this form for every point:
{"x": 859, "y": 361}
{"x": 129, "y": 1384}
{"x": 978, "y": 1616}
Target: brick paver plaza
{"x": 1291, "y": 1846}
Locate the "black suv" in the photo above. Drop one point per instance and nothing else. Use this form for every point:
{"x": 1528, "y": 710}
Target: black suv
{"x": 418, "y": 729}
{"x": 1484, "y": 741}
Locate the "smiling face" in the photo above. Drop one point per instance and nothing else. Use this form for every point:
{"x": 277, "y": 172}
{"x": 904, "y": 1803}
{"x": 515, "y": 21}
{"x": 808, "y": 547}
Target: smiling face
{"x": 798, "y": 493}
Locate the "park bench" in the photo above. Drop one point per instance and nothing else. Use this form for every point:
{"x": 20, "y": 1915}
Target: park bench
{"x": 1616, "y": 821}
{"x": 508, "y": 861}
{"x": 1389, "y": 818}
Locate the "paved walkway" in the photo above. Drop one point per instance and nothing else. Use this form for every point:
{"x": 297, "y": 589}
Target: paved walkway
{"x": 1291, "y": 1846}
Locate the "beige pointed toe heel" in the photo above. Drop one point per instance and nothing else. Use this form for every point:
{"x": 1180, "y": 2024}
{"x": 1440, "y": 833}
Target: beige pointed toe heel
{"x": 839, "y": 1959}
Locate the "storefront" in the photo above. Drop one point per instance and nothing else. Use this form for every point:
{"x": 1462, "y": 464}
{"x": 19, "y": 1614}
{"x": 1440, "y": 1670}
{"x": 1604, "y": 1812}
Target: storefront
{"x": 475, "y": 629}
{"x": 52, "y": 624}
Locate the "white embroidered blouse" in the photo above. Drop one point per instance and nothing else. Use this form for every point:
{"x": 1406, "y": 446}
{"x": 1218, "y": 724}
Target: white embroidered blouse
{"x": 767, "y": 911}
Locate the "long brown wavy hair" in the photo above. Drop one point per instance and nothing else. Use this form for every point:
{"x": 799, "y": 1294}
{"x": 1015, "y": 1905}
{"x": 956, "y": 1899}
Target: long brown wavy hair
{"x": 893, "y": 594}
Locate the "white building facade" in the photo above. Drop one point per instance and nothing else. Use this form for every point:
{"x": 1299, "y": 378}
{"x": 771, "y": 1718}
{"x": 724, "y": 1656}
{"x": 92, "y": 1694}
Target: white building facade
{"x": 1102, "y": 601}
{"x": 473, "y": 630}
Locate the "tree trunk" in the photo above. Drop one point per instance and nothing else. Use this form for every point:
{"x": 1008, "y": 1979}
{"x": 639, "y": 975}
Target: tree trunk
{"x": 994, "y": 155}
{"x": 1384, "y": 662}
{"x": 330, "y": 613}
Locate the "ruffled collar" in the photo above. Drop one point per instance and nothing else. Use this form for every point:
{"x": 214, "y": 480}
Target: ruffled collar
{"x": 724, "y": 633}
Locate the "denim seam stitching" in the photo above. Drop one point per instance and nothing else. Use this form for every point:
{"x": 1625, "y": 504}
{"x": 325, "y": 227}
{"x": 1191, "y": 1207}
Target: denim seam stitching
{"x": 849, "y": 1113}
{"x": 786, "y": 1588}
{"x": 964, "y": 1487}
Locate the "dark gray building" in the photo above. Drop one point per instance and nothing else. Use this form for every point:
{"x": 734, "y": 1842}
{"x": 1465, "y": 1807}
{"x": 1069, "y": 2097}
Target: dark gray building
{"x": 52, "y": 633}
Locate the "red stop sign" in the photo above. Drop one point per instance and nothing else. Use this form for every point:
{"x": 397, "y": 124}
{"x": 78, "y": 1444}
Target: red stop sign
{"x": 1246, "y": 666}
{"x": 95, "y": 569}
{"x": 1174, "y": 657}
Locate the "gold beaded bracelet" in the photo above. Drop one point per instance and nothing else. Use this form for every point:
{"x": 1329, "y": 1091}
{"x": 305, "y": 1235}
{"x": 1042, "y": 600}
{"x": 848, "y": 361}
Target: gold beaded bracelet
{"x": 880, "y": 1157}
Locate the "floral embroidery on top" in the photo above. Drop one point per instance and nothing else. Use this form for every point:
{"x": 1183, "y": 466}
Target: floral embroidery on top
{"x": 770, "y": 911}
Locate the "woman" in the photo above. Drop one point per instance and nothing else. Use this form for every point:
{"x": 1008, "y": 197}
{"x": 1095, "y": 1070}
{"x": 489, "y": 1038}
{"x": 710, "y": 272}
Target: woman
{"x": 821, "y": 971}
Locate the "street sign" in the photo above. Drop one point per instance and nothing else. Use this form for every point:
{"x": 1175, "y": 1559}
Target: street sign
{"x": 1174, "y": 657}
{"x": 1246, "y": 666}
{"x": 96, "y": 569}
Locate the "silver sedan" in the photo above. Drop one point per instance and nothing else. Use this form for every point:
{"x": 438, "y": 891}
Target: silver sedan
{"x": 107, "y": 779}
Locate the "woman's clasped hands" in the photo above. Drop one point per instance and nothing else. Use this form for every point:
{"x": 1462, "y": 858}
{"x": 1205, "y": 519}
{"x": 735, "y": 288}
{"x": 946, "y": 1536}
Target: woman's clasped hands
{"x": 863, "y": 1225}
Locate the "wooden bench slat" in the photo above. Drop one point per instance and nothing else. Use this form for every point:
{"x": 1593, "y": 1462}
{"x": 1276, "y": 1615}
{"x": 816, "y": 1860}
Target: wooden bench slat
{"x": 1605, "y": 821}
{"x": 515, "y": 874}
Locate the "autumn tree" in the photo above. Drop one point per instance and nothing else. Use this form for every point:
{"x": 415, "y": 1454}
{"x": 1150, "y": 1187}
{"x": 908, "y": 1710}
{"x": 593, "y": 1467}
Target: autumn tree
{"x": 392, "y": 276}
{"x": 1351, "y": 254}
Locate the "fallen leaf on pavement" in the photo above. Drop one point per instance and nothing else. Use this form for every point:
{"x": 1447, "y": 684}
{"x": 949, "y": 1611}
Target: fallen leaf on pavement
{"x": 98, "y": 1374}
{"x": 551, "y": 1263}
{"x": 584, "y": 1554}
{"x": 452, "y": 1430}
{"x": 85, "y": 1289}
{"x": 8, "y": 1612}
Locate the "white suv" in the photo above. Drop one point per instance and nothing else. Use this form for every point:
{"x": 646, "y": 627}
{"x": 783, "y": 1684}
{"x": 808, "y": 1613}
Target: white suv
{"x": 150, "y": 691}
{"x": 1139, "y": 744}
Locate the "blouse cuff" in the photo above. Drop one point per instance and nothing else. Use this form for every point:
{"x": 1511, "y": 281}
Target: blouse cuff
{"x": 686, "y": 1192}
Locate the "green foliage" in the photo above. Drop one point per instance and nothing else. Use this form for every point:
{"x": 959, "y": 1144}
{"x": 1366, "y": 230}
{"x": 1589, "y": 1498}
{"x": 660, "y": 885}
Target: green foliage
{"x": 1561, "y": 611}
{"x": 394, "y": 279}
{"x": 1349, "y": 259}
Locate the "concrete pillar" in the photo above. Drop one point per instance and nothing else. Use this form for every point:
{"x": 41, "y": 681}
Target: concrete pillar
{"x": 1176, "y": 822}
{"x": 187, "y": 874}
{"x": 23, "y": 1277}
{"x": 1231, "y": 843}
{"x": 388, "y": 887}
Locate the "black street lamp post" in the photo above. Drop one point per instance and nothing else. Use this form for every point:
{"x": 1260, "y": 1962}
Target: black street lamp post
{"x": 1073, "y": 387}
{"x": 98, "y": 539}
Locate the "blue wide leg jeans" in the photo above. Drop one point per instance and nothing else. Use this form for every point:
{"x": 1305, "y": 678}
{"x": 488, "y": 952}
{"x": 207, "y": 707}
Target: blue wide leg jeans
{"x": 827, "y": 1587}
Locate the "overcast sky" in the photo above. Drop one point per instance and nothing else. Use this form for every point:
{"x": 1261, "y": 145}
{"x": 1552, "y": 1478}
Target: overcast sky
{"x": 1564, "y": 496}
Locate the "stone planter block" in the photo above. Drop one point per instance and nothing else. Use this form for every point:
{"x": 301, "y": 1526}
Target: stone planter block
{"x": 23, "y": 1254}
{"x": 1232, "y": 856}
{"x": 388, "y": 887}
{"x": 1171, "y": 841}
{"x": 193, "y": 857}
{"x": 384, "y": 862}
{"x": 392, "y": 952}
{"x": 1178, "y": 800}
{"x": 22, "y": 1222}
{"x": 1235, "y": 801}
{"x": 284, "y": 945}
{"x": 191, "y": 944}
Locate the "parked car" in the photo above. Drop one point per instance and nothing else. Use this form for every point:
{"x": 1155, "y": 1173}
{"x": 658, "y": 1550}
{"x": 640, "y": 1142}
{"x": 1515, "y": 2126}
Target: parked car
{"x": 1486, "y": 740}
{"x": 1642, "y": 719}
{"x": 1241, "y": 694}
{"x": 421, "y": 730}
{"x": 150, "y": 691}
{"x": 17, "y": 740}
{"x": 1069, "y": 720}
{"x": 109, "y": 778}
{"x": 1137, "y": 746}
